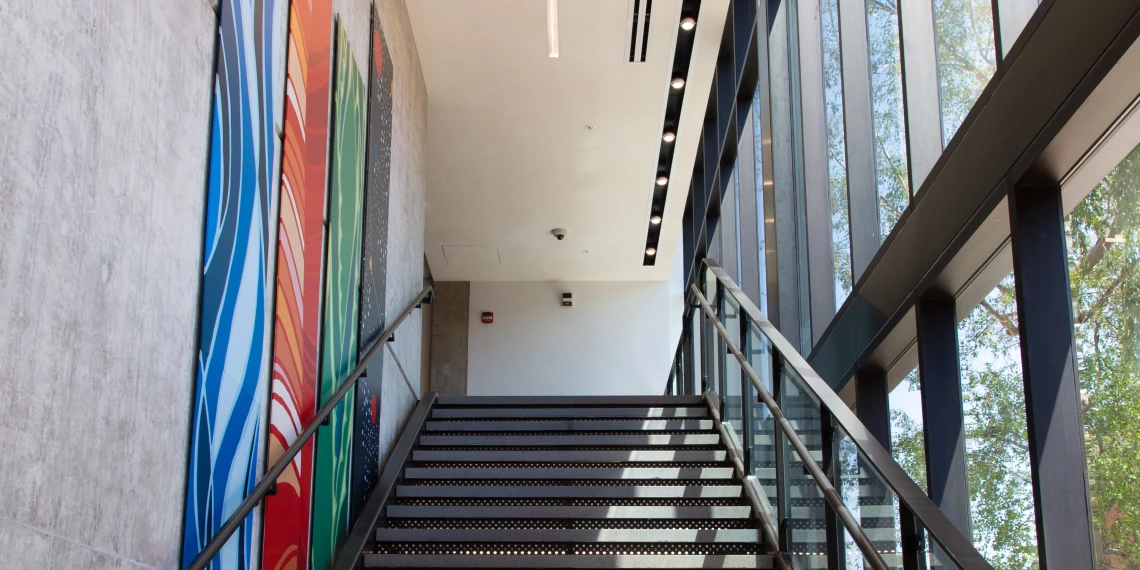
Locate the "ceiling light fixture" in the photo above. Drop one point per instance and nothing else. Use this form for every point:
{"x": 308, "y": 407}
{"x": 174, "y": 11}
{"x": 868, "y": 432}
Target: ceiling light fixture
{"x": 688, "y": 23}
{"x": 678, "y": 82}
{"x": 655, "y": 220}
{"x": 552, "y": 27}
{"x": 650, "y": 251}
{"x": 669, "y": 136}
{"x": 662, "y": 180}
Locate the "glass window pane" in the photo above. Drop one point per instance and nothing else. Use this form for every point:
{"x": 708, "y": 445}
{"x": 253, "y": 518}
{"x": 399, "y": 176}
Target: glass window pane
{"x": 891, "y": 166}
{"x": 763, "y": 452}
{"x": 761, "y": 220}
{"x": 836, "y": 149}
{"x": 907, "y": 445}
{"x": 1104, "y": 252}
{"x": 997, "y": 454}
{"x": 966, "y": 57}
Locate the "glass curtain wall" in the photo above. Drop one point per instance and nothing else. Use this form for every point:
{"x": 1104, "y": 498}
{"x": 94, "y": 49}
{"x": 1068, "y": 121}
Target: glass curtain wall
{"x": 891, "y": 168}
{"x": 836, "y": 149}
{"x": 907, "y": 444}
{"x": 997, "y": 442}
{"x": 967, "y": 58}
{"x": 1104, "y": 254}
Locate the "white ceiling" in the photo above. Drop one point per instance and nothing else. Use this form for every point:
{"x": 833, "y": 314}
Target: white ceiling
{"x": 520, "y": 143}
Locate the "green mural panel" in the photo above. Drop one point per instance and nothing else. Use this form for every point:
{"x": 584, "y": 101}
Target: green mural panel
{"x": 342, "y": 306}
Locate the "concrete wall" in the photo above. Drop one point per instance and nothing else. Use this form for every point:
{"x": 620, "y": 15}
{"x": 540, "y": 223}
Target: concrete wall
{"x": 104, "y": 111}
{"x": 615, "y": 340}
{"x": 451, "y": 312}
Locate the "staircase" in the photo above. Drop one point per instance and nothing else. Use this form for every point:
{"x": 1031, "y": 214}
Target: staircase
{"x": 594, "y": 482}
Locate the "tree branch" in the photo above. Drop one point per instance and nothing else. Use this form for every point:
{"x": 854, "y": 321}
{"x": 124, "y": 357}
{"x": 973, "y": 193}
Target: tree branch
{"x": 1006, "y": 320}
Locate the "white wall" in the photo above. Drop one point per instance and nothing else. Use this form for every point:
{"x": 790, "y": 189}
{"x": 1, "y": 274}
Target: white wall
{"x": 615, "y": 340}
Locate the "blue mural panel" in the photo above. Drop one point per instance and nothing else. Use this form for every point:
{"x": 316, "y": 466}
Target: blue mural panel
{"x": 233, "y": 354}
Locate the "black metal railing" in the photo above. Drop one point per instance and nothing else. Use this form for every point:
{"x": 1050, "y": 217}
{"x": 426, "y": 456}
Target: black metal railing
{"x": 831, "y": 493}
{"x": 269, "y": 480}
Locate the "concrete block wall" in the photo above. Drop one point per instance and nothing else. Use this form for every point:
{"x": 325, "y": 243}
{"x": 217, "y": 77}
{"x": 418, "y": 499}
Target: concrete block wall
{"x": 105, "y": 114}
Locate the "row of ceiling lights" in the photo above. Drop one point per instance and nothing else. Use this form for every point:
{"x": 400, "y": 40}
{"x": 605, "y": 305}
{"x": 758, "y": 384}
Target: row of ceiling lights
{"x": 688, "y": 24}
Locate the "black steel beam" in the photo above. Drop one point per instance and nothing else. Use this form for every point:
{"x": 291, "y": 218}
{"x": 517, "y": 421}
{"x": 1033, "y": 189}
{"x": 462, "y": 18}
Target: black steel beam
{"x": 1069, "y": 46}
{"x": 1049, "y": 364}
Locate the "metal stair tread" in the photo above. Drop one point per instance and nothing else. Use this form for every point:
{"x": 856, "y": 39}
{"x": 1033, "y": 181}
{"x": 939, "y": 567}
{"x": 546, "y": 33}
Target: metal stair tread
{"x": 571, "y": 456}
{"x": 571, "y": 491}
{"x": 631, "y": 535}
{"x": 568, "y": 425}
{"x": 608, "y": 473}
{"x": 410, "y": 561}
{"x": 539, "y": 413}
{"x": 571, "y": 440}
{"x": 565, "y": 512}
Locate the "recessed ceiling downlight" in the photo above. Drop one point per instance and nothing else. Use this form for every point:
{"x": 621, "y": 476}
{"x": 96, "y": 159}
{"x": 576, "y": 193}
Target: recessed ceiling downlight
{"x": 688, "y": 23}
{"x": 650, "y": 251}
{"x": 662, "y": 180}
{"x": 669, "y": 136}
{"x": 655, "y": 220}
{"x": 677, "y": 83}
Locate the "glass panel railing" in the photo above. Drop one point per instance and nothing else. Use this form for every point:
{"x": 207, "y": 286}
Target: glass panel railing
{"x": 762, "y": 449}
{"x": 873, "y": 504}
{"x": 731, "y": 395}
{"x": 805, "y": 506}
{"x": 829, "y": 495}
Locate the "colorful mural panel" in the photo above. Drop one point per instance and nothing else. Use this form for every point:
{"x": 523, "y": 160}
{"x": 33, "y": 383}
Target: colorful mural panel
{"x": 342, "y": 306}
{"x": 233, "y": 355}
{"x": 374, "y": 266}
{"x": 300, "y": 257}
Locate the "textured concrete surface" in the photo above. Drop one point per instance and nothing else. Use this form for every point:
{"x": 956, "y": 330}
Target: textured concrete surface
{"x": 449, "y": 337}
{"x": 104, "y": 108}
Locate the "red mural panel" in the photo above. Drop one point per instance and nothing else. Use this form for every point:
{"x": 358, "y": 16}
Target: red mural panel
{"x": 300, "y": 250}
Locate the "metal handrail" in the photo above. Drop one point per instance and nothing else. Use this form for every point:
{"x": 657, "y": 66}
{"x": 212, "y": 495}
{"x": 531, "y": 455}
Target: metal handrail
{"x": 813, "y": 468}
{"x": 955, "y": 545}
{"x": 270, "y": 478}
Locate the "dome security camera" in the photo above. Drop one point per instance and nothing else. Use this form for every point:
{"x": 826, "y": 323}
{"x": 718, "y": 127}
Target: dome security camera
{"x": 559, "y": 233}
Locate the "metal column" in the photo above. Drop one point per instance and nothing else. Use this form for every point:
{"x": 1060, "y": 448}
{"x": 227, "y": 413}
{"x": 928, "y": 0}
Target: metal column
{"x": 942, "y": 415}
{"x": 1052, "y": 393}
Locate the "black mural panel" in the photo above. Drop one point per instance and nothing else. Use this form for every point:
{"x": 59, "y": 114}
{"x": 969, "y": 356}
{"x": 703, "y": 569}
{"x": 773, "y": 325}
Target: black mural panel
{"x": 374, "y": 266}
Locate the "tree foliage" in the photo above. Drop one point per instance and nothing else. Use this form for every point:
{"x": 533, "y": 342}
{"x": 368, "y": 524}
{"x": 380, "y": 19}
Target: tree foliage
{"x": 1104, "y": 252}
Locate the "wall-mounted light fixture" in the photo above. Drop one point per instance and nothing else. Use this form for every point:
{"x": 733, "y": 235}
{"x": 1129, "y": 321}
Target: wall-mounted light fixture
{"x": 552, "y": 27}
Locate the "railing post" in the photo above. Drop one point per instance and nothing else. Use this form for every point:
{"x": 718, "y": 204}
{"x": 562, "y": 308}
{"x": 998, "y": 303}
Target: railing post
{"x": 721, "y": 355}
{"x": 778, "y": 448}
{"x": 836, "y": 551}
{"x": 748, "y": 433}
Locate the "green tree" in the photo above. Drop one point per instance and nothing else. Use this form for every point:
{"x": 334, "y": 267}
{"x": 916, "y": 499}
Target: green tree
{"x": 1104, "y": 252}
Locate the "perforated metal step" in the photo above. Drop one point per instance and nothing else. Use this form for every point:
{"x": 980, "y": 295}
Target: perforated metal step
{"x": 488, "y": 560}
{"x": 495, "y": 482}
